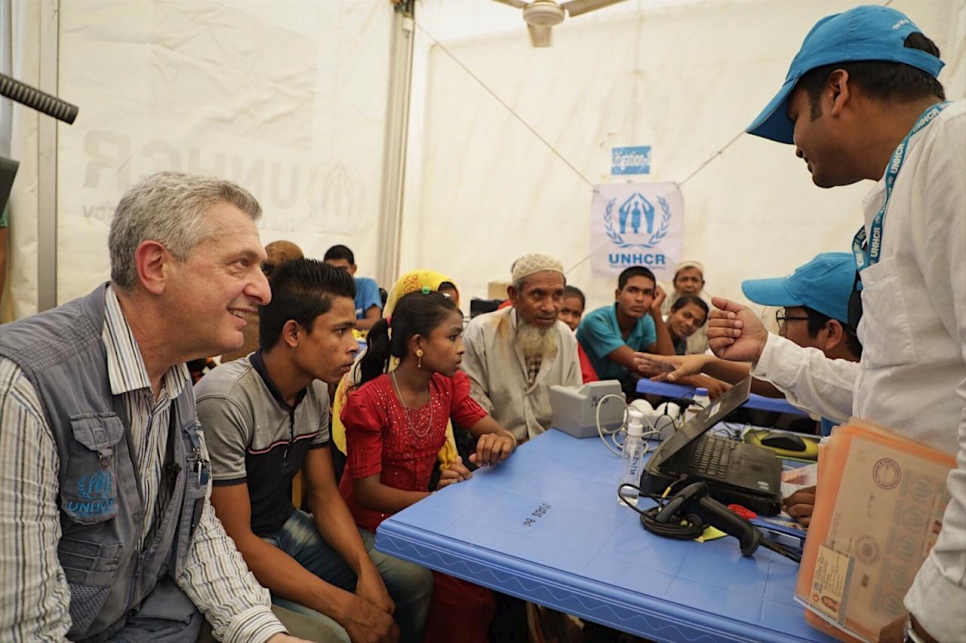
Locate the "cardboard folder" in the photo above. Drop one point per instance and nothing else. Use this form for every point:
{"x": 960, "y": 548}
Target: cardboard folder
{"x": 879, "y": 507}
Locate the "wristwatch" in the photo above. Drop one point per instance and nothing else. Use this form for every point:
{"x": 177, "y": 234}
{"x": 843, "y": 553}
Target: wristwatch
{"x": 909, "y": 634}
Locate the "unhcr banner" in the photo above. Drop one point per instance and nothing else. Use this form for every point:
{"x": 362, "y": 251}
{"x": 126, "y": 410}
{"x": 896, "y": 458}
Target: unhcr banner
{"x": 637, "y": 224}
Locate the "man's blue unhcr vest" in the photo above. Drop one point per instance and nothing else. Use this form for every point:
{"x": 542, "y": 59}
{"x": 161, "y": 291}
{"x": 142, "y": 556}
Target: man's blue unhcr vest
{"x": 115, "y": 582}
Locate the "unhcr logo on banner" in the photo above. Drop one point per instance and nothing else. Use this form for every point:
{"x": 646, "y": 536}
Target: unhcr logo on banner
{"x": 637, "y": 213}
{"x": 630, "y": 160}
{"x": 636, "y": 225}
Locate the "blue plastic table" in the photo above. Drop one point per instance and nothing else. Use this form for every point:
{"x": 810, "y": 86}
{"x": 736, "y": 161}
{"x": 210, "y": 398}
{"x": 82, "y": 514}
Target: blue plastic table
{"x": 546, "y": 526}
{"x": 755, "y": 401}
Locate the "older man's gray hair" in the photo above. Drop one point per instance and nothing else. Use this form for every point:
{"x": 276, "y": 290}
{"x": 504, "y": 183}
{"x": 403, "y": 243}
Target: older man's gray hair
{"x": 172, "y": 209}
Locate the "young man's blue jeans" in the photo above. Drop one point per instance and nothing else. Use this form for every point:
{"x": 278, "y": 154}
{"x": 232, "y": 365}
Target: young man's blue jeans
{"x": 409, "y": 585}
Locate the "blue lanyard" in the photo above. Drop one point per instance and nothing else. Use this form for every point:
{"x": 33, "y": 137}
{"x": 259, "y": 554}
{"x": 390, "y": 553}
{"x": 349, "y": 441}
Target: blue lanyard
{"x": 865, "y": 257}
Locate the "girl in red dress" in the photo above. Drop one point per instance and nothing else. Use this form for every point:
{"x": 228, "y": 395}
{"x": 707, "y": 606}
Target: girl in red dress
{"x": 395, "y": 425}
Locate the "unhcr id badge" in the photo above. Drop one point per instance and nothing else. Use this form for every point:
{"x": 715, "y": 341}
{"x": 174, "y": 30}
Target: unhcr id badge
{"x": 637, "y": 224}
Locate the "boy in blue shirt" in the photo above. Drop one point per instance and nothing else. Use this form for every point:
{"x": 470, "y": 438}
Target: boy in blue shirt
{"x": 611, "y": 335}
{"x": 368, "y": 300}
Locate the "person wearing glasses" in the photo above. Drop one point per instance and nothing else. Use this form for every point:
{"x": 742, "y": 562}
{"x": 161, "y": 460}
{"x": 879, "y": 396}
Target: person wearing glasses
{"x": 813, "y": 313}
{"x": 813, "y": 305}
{"x": 265, "y": 418}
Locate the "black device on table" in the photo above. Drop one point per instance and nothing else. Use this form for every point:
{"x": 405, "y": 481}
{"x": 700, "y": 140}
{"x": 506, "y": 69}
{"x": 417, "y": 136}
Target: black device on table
{"x": 783, "y": 440}
{"x": 735, "y": 472}
{"x": 691, "y": 509}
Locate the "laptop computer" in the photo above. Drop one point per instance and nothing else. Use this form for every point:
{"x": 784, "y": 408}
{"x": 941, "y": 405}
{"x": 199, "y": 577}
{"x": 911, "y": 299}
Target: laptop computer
{"x": 735, "y": 472}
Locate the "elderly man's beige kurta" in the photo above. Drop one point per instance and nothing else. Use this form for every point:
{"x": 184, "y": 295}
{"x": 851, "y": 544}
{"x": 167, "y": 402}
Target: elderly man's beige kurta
{"x": 498, "y": 372}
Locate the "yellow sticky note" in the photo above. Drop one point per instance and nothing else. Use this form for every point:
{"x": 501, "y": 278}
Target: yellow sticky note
{"x": 710, "y": 533}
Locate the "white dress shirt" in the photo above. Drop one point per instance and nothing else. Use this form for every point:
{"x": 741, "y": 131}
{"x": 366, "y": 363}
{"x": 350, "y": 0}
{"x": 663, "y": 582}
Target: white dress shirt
{"x": 912, "y": 377}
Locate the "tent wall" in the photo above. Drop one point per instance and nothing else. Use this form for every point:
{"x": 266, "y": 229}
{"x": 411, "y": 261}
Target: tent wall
{"x": 287, "y": 98}
{"x": 30, "y": 27}
{"x": 290, "y": 99}
{"x": 685, "y": 79}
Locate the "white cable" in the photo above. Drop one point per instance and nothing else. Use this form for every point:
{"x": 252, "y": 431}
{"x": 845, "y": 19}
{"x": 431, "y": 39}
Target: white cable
{"x": 601, "y": 431}
{"x": 604, "y": 434}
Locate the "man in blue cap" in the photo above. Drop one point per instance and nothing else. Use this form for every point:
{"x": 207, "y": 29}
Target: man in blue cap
{"x": 813, "y": 304}
{"x": 862, "y": 101}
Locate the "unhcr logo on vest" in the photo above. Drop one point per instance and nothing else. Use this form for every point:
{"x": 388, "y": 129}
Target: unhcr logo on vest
{"x": 97, "y": 494}
{"x": 636, "y": 225}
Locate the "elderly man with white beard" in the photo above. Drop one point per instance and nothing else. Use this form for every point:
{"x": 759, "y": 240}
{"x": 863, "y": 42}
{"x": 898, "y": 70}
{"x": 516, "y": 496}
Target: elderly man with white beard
{"x": 515, "y": 354}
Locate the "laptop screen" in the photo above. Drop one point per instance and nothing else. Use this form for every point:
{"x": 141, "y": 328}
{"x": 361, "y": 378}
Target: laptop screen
{"x": 702, "y": 421}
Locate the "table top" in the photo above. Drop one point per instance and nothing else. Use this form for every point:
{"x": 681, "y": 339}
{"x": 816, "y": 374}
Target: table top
{"x": 546, "y": 526}
{"x": 755, "y": 401}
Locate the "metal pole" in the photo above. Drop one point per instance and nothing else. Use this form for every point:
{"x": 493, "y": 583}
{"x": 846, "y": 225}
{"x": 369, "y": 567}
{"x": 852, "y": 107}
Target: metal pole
{"x": 397, "y": 131}
{"x": 47, "y": 160}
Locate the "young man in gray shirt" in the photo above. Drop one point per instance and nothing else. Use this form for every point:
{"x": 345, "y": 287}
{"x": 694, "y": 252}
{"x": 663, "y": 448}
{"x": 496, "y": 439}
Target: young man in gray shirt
{"x": 266, "y": 417}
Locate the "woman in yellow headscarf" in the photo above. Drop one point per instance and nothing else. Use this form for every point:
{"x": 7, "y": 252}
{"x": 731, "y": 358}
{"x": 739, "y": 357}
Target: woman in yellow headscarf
{"x": 409, "y": 282}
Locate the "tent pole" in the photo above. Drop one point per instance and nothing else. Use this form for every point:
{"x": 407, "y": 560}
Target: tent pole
{"x": 397, "y": 128}
{"x": 47, "y": 160}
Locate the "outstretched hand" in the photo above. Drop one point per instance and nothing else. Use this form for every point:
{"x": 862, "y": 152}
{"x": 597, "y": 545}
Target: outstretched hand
{"x": 669, "y": 367}
{"x": 734, "y": 332}
{"x": 716, "y": 388}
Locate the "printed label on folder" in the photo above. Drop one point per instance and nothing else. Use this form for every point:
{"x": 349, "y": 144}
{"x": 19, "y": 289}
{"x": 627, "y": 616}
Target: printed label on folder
{"x": 830, "y": 585}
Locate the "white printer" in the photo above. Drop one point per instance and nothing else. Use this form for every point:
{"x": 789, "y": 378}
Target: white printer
{"x": 574, "y": 408}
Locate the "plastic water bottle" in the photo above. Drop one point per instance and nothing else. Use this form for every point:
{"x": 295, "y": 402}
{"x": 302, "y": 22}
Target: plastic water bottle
{"x": 632, "y": 454}
{"x": 700, "y": 401}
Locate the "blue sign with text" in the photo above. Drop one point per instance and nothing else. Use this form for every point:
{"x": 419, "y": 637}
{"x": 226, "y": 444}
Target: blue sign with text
{"x": 630, "y": 160}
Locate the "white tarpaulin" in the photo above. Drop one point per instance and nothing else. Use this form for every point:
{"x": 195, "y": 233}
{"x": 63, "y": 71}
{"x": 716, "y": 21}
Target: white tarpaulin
{"x": 286, "y": 98}
{"x": 636, "y": 224}
{"x": 511, "y": 140}
{"x": 506, "y": 142}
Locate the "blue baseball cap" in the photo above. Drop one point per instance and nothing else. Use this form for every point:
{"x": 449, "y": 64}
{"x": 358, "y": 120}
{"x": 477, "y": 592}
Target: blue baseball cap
{"x": 824, "y": 284}
{"x": 864, "y": 33}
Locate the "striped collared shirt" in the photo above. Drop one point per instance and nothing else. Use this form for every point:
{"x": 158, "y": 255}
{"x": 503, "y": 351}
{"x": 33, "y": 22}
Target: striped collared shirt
{"x": 34, "y": 597}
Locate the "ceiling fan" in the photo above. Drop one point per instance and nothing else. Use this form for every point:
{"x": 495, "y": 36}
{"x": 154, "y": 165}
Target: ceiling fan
{"x": 542, "y": 15}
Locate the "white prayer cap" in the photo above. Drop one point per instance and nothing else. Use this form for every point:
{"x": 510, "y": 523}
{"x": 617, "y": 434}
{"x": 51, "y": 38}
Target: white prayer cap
{"x": 688, "y": 264}
{"x": 534, "y": 263}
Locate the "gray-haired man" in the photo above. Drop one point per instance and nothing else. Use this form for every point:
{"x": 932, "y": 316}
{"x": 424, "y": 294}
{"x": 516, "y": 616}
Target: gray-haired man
{"x": 107, "y": 529}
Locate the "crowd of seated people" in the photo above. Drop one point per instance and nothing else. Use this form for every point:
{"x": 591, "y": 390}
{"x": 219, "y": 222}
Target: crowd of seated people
{"x": 145, "y": 491}
{"x": 419, "y": 408}
{"x": 297, "y": 396}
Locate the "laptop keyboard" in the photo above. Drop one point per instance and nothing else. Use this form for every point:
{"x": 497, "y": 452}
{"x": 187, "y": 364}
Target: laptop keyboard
{"x": 709, "y": 455}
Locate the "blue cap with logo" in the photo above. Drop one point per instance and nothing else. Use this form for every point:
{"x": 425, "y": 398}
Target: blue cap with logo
{"x": 824, "y": 284}
{"x": 864, "y": 33}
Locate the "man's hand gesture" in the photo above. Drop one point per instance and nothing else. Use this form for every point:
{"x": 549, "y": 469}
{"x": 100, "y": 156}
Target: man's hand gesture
{"x": 734, "y": 332}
